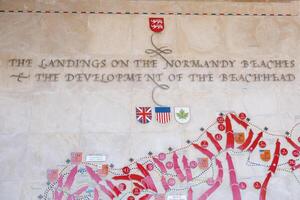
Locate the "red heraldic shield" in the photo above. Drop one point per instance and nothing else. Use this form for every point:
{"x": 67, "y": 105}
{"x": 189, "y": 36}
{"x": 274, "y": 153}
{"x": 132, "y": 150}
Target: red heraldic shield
{"x": 156, "y": 24}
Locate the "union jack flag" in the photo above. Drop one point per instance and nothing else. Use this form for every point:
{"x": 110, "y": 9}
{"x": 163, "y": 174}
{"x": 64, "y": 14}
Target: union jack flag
{"x": 144, "y": 114}
{"x": 163, "y": 114}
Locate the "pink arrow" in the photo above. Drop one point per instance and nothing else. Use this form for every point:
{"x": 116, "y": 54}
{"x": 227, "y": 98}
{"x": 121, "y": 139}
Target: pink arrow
{"x": 160, "y": 165}
{"x": 219, "y": 179}
{"x": 113, "y": 187}
{"x": 164, "y": 183}
{"x": 177, "y": 168}
{"x": 216, "y": 184}
{"x": 187, "y": 168}
{"x": 92, "y": 174}
{"x": 233, "y": 181}
{"x": 59, "y": 195}
{"x": 77, "y": 193}
{"x": 106, "y": 191}
{"x": 190, "y": 194}
{"x": 96, "y": 194}
{"x": 148, "y": 180}
{"x": 204, "y": 151}
{"x": 71, "y": 178}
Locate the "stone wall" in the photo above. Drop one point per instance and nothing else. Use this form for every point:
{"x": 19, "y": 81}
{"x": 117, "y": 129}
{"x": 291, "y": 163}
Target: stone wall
{"x": 43, "y": 120}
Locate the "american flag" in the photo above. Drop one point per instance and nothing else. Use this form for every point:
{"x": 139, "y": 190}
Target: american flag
{"x": 144, "y": 114}
{"x": 163, "y": 114}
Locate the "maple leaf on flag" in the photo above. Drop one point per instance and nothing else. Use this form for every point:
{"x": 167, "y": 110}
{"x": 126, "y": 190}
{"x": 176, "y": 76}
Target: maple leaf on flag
{"x": 182, "y": 115}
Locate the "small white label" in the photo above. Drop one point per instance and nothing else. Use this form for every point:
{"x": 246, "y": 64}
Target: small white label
{"x": 176, "y": 197}
{"x": 95, "y": 158}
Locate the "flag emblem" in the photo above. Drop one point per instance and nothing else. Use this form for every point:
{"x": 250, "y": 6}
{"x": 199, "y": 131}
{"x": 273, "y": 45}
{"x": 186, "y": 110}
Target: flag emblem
{"x": 239, "y": 137}
{"x": 265, "y": 155}
{"x": 103, "y": 171}
{"x": 203, "y": 163}
{"x": 52, "y": 175}
{"x": 163, "y": 114}
{"x": 156, "y": 24}
{"x": 144, "y": 114}
{"x": 182, "y": 114}
{"x": 76, "y": 157}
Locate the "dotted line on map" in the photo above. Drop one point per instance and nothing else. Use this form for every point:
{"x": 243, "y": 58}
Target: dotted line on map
{"x": 148, "y": 13}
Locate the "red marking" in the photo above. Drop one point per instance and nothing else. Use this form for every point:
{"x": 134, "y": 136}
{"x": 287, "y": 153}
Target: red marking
{"x": 171, "y": 181}
{"x": 263, "y": 191}
{"x": 242, "y": 116}
{"x": 164, "y": 183}
{"x": 204, "y": 144}
{"x": 161, "y": 156}
{"x": 289, "y": 140}
{"x": 146, "y": 197}
{"x": 169, "y": 165}
{"x": 122, "y": 186}
{"x": 204, "y": 151}
{"x": 125, "y": 177}
{"x": 248, "y": 141}
{"x": 292, "y": 162}
{"x": 113, "y": 187}
{"x": 218, "y": 137}
{"x": 130, "y": 198}
{"x": 296, "y": 153}
{"x": 284, "y": 151}
{"x": 233, "y": 180}
{"x": 262, "y": 144}
{"x": 142, "y": 169}
{"x": 221, "y": 127}
{"x": 107, "y": 192}
{"x": 243, "y": 185}
{"x": 239, "y": 121}
{"x": 255, "y": 142}
{"x": 126, "y": 170}
{"x": 136, "y": 177}
{"x": 275, "y": 160}
{"x": 296, "y": 167}
{"x": 229, "y": 133}
{"x": 220, "y": 119}
{"x": 257, "y": 185}
{"x": 177, "y": 168}
{"x": 138, "y": 186}
{"x": 215, "y": 143}
{"x": 160, "y": 165}
{"x": 136, "y": 191}
{"x": 151, "y": 184}
{"x": 156, "y": 24}
{"x": 150, "y": 166}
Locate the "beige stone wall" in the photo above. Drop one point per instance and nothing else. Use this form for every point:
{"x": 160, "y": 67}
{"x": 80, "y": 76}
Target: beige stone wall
{"x": 42, "y": 122}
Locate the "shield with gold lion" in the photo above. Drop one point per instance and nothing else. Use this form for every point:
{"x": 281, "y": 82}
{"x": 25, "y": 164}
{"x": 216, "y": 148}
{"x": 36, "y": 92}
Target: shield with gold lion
{"x": 239, "y": 138}
{"x": 265, "y": 155}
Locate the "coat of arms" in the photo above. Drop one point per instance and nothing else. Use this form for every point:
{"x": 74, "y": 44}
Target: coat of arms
{"x": 182, "y": 114}
{"x": 156, "y": 24}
